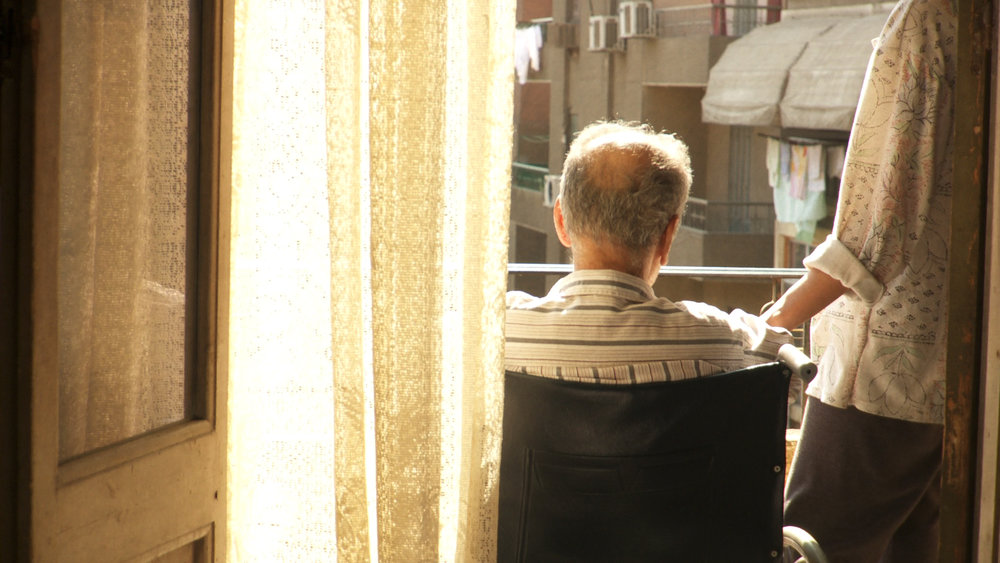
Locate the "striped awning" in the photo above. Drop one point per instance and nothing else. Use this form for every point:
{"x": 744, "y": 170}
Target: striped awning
{"x": 799, "y": 73}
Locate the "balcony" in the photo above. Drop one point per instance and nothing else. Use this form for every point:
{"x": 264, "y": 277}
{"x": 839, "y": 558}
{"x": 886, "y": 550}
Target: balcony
{"x": 717, "y": 19}
{"x": 528, "y": 176}
{"x": 725, "y": 234}
{"x": 729, "y": 217}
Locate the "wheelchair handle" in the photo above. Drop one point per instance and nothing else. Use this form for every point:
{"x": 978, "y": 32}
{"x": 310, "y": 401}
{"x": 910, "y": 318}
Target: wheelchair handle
{"x": 800, "y": 364}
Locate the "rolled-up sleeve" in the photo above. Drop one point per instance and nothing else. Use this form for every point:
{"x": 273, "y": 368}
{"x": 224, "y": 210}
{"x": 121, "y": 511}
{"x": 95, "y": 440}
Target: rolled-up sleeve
{"x": 837, "y": 261}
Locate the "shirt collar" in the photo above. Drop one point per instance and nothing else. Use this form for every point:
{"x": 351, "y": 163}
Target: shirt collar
{"x": 604, "y": 282}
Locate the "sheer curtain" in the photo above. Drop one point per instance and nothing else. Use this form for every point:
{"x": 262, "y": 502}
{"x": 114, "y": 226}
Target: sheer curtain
{"x": 370, "y": 202}
{"x": 127, "y": 167}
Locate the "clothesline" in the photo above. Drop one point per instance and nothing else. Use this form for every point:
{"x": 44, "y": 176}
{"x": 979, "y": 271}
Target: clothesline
{"x": 792, "y": 140}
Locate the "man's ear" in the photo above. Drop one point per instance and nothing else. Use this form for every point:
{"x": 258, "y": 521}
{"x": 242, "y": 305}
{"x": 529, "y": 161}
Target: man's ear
{"x": 667, "y": 239}
{"x": 560, "y": 221}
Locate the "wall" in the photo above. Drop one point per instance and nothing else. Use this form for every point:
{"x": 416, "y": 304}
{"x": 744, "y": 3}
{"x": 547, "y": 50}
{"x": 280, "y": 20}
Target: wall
{"x": 678, "y": 110}
{"x": 531, "y": 108}
{"x": 688, "y": 248}
{"x": 535, "y": 9}
{"x": 680, "y": 61}
{"x": 739, "y": 250}
{"x": 715, "y": 183}
{"x": 698, "y": 248}
{"x": 594, "y": 101}
{"x": 528, "y": 209}
{"x": 628, "y": 80}
{"x": 760, "y": 189}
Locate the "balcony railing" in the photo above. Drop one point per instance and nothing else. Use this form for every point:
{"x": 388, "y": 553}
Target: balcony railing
{"x": 528, "y": 176}
{"x": 686, "y": 271}
{"x": 729, "y": 217}
{"x": 718, "y": 18}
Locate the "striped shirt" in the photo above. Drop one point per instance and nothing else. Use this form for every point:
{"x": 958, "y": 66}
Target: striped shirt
{"x": 608, "y": 327}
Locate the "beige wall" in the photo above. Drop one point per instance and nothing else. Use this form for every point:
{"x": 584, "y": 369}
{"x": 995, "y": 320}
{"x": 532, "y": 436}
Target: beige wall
{"x": 688, "y": 248}
{"x": 678, "y": 110}
{"x": 591, "y": 69}
{"x": 681, "y": 61}
{"x": 697, "y": 248}
{"x": 739, "y": 250}
{"x": 715, "y": 185}
{"x": 628, "y": 74}
{"x": 527, "y": 11}
{"x": 760, "y": 189}
{"x": 528, "y": 209}
{"x": 531, "y": 111}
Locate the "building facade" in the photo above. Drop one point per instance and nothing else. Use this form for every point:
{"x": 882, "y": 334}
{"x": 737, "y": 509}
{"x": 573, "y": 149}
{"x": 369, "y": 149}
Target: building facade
{"x": 715, "y": 74}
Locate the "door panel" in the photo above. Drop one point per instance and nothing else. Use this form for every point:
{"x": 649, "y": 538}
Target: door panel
{"x": 194, "y": 552}
{"x": 128, "y": 228}
{"x": 144, "y": 504}
{"x": 128, "y": 202}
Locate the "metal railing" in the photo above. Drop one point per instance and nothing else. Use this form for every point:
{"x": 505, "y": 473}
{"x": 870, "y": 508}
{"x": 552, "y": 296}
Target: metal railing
{"x": 720, "y": 19}
{"x": 686, "y": 271}
{"x": 528, "y": 176}
{"x": 729, "y": 217}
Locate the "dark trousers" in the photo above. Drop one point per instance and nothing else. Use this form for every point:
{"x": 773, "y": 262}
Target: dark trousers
{"x": 866, "y": 487}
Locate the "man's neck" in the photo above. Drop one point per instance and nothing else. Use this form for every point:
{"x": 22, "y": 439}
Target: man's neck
{"x": 594, "y": 256}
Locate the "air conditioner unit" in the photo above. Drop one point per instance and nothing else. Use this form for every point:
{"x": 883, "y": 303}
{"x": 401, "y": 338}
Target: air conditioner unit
{"x": 551, "y": 191}
{"x": 603, "y": 33}
{"x": 561, "y": 35}
{"x": 636, "y": 19}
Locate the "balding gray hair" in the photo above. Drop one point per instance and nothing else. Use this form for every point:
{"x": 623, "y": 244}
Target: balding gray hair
{"x": 622, "y": 183}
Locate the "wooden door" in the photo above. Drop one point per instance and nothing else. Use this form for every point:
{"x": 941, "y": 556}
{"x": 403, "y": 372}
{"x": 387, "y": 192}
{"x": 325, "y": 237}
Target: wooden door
{"x": 131, "y": 145}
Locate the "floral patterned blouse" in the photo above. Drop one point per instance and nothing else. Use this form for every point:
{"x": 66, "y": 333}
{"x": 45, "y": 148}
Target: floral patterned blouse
{"x": 882, "y": 345}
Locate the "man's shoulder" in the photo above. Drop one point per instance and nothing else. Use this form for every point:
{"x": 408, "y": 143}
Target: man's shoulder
{"x": 737, "y": 320}
{"x": 704, "y": 311}
{"x": 520, "y": 299}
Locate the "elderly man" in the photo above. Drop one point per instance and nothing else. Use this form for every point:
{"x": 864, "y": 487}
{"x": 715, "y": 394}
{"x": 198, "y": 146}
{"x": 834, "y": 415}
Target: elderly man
{"x": 623, "y": 191}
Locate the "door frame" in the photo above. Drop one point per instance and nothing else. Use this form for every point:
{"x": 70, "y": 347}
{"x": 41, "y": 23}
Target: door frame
{"x": 166, "y": 489}
{"x": 967, "y": 332}
{"x": 16, "y": 156}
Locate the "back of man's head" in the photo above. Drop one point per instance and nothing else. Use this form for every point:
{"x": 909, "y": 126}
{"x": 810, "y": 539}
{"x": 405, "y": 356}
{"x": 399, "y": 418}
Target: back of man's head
{"x": 622, "y": 184}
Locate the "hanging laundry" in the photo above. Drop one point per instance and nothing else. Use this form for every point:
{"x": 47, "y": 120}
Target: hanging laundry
{"x": 815, "y": 168}
{"x": 835, "y": 161}
{"x": 797, "y": 172}
{"x": 773, "y": 161}
{"x": 527, "y": 51}
{"x": 798, "y": 205}
{"x": 784, "y": 160}
{"x": 804, "y": 213}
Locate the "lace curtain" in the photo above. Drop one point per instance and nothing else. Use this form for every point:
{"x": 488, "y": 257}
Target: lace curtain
{"x": 370, "y": 201}
{"x": 127, "y": 167}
